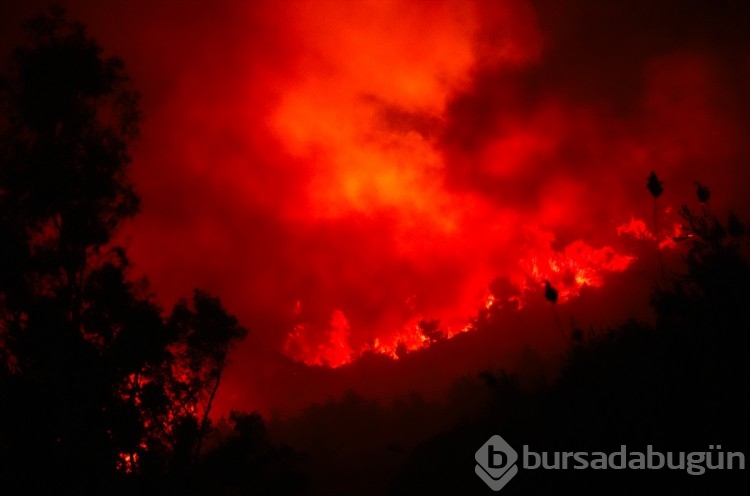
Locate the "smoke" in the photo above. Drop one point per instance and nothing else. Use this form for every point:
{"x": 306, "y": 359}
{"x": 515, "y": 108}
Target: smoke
{"x": 338, "y": 172}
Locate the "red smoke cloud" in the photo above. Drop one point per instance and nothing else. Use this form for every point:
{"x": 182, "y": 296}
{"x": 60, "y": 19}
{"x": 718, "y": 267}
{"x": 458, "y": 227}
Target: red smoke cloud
{"x": 338, "y": 172}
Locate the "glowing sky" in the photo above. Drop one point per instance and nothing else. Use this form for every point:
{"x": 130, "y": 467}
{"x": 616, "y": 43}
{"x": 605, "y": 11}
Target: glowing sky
{"x": 341, "y": 168}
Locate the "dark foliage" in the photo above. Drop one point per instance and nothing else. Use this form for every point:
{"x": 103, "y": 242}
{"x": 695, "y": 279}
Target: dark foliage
{"x": 654, "y": 185}
{"x": 98, "y": 391}
{"x": 680, "y": 385}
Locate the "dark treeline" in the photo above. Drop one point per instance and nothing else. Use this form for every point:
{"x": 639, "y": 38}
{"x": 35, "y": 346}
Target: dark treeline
{"x": 102, "y": 391}
{"x": 679, "y": 384}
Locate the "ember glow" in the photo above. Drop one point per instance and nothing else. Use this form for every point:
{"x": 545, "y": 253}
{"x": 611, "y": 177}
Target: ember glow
{"x": 345, "y": 174}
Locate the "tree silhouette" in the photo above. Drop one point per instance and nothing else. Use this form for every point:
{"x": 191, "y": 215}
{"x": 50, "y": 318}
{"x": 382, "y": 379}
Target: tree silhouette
{"x": 95, "y": 385}
{"x": 204, "y": 335}
{"x": 703, "y": 193}
{"x": 655, "y": 187}
{"x": 678, "y": 384}
{"x": 551, "y": 294}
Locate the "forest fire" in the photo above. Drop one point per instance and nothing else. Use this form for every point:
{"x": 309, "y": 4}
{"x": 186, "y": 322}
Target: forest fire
{"x": 239, "y": 238}
{"x": 569, "y": 270}
{"x": 386, "y": 176}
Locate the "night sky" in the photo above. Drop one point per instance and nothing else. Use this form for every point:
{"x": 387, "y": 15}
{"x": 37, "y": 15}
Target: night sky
{"x": 337, "y": 171}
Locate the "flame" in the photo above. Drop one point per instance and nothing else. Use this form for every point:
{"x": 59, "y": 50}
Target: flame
{"x": 333, "y": 351}
{"x": 670, "y": 240}
{"x": 490, "y": 301}
{"x": 576, "y": 266}
{"x": 410, "y": 338}
{"x": 636, "y": 228}
{"x": 127, "y": 462}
